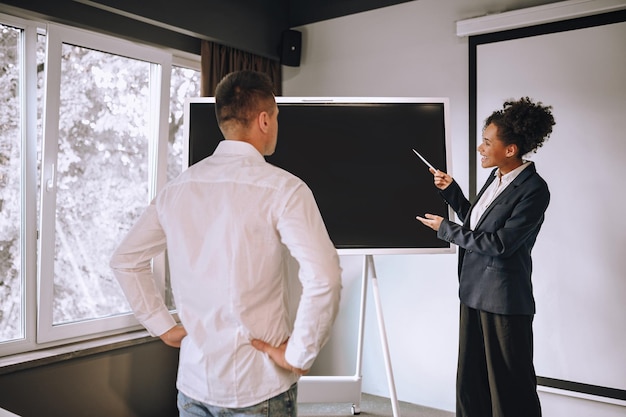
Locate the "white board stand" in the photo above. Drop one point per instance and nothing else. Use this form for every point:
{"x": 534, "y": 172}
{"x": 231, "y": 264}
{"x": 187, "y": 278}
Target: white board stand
{"x": 322, "y": 389}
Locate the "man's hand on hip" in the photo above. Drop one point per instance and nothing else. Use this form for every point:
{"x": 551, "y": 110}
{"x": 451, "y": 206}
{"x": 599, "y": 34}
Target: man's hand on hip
{"x": 277, "y": 354}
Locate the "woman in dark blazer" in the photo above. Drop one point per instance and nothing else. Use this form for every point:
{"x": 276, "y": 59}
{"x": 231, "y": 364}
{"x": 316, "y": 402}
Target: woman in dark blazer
{"x": 496, "y": 375}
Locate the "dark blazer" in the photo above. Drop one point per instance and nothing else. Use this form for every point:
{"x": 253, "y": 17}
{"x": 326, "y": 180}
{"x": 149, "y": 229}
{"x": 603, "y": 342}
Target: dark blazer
{"x": 495, "y": 262}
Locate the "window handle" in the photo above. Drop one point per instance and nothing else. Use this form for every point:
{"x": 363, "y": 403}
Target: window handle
{"x": 50, "y": 182}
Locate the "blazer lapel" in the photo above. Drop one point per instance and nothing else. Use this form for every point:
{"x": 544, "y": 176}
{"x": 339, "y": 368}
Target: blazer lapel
{"x": 523, "y": 176}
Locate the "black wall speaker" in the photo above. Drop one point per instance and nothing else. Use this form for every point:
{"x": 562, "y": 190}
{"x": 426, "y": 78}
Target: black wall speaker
{"x": 290, "y": 48}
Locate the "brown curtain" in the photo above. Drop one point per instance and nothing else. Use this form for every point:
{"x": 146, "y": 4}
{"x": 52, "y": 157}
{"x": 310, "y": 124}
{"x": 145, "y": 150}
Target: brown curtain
{"x": 218, "y": 60}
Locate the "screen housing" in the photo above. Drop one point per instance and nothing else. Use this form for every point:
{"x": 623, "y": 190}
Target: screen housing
{"x": 355, "y": 153}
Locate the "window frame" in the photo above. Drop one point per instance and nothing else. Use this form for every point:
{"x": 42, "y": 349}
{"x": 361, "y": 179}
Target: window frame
{"x": 28, "y": 181}
{"x": 41, "y": 340}
{"x": 160, "y": 70}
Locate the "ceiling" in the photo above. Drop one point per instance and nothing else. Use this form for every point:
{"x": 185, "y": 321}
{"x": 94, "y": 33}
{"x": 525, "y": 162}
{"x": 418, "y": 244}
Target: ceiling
{"x": 255, "y": 26}
{"x": 251, "y": 25}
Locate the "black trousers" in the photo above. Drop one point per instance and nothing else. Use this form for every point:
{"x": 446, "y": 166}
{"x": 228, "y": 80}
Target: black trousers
{"x": 495, "y": 374}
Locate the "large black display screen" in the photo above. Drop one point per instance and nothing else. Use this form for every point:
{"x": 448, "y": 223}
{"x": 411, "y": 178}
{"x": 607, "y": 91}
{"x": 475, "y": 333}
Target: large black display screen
{"x": 356, "y": 156}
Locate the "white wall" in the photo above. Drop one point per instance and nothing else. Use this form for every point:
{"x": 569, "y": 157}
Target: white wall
{"x": 582, "y": 74}
{"x": 409, "y": 49}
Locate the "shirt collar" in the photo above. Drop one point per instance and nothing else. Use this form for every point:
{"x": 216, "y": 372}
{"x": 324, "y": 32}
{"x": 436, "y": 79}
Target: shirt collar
{"x": 510, "y": 176}
{"x": 237, "y": 147}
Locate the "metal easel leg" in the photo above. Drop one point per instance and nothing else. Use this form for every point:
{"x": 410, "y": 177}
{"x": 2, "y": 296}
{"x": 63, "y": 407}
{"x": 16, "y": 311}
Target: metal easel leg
{"x": 383, "y": 336}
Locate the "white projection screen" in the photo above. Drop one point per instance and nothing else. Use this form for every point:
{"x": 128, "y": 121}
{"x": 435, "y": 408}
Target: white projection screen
{"x": 579, "y": 269}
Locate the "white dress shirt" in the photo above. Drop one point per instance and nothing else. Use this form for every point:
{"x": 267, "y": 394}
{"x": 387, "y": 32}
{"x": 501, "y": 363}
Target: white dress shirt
{"x": 495, "y": 189}
{"x": 227, "y": 223}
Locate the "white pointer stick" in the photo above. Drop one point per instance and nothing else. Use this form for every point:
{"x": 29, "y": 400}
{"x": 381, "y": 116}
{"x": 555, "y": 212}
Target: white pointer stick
{"x": 424, "y": 160}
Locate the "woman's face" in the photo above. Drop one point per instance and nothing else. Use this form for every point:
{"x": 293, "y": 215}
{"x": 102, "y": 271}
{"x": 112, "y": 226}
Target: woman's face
{"x": 493, "y": 152}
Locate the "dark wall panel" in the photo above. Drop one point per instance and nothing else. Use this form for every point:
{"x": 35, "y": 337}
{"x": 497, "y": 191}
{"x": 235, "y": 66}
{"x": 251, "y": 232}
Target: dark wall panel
{"x": 253, "y": 26}
{"x": 250, "y": 25}
{"x": 137, "y": 381}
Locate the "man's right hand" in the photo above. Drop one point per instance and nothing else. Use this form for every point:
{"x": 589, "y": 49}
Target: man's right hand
{"x": 174, "y": 336}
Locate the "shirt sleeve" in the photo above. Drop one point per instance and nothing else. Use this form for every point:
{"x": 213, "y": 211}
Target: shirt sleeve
{"x": 132, "y": 266}
{"x": 303, "y": 231}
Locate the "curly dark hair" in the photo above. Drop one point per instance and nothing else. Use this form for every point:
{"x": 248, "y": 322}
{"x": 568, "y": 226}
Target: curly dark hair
{"x": 523, "y": 123}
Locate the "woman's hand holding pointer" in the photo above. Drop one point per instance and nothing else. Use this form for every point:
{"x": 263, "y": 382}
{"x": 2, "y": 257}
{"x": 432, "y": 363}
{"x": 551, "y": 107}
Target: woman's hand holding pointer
{"x": 441, "y": 179}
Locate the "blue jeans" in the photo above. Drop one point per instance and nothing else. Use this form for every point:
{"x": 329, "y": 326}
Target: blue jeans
{"x": 282, "y": 405}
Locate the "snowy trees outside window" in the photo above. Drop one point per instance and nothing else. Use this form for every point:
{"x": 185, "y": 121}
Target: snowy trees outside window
{"x": 103, "y": 156}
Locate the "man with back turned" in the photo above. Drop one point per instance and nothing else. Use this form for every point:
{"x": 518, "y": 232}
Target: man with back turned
{"x": 229, "y": 223}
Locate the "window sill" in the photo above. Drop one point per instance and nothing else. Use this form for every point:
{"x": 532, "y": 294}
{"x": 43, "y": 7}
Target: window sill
{"x": 22, "y": 361}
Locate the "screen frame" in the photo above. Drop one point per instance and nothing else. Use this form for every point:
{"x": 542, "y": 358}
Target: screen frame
{"x": 450, "y": 249}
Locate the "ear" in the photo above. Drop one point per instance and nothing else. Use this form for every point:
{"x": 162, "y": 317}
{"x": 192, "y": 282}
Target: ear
{"x": 263, "y": 120}
{"x": 511, "y": 150}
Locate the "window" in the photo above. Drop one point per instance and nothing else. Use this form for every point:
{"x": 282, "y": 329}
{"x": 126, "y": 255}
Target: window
{"x": 18, "y": 138}
{"x": 185, "y": 83}
{"x": 100, "y": 170}
{"x": 11, "y": 281}
{"x": 101, "y": 177}
{"x": 76, "y": 170}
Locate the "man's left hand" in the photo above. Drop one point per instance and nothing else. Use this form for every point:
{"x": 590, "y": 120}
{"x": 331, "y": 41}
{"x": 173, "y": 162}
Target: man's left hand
{"x": 277, "y": 354}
